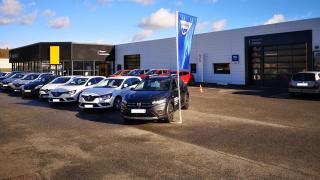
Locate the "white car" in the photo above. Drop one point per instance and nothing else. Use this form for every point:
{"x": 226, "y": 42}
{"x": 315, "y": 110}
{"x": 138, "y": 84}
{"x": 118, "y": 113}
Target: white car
{"x": 70, "y": 92}
{"x": 108, "y": 93}
{"x": 305, "y": 83}
{"x": 59, "y": 81}
{"x": 17, "y": 85}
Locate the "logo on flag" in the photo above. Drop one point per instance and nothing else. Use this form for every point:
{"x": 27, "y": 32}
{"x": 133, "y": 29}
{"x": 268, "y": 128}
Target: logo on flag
{"x": 185, "y": 28}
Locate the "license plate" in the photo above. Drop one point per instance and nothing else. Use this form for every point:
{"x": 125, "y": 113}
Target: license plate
{"x": 88, "y": 106}
{"x": 5, "y": 85}
{"x": 55, "y": 100}
{"x": 302, "y": 84}
{"x": 138, "y": 111}
{"x": 16, "y": 90}
{"x": 27, "y": 91}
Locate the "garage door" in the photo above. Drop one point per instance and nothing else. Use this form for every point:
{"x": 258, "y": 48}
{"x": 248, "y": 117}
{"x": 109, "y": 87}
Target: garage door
{"x": 274, "y": 65}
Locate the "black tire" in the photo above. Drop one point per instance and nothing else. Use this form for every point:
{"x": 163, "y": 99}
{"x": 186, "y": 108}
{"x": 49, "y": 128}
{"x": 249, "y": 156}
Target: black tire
{"x": 292, "y": 94}
{"x": 126, "y": 121}
{"x": 117, "y": 103}
{"x": 169, "y": 112}
{"x": 192, "y": 81}
{"x": 186, "y": 102}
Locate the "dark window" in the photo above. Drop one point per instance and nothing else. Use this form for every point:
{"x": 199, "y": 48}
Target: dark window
{"x": 304, "y": 77}
{"x": 98, "y": 79}
{"x": 128, "y": 82}
{"x": 221, "y": 68}
{"x": 132, "y": 61}
{"x": 119, "y": 67}
{"x": 135, "y": 81}
{"x": 92, "y": 81}
{"x": 193, "y": 68}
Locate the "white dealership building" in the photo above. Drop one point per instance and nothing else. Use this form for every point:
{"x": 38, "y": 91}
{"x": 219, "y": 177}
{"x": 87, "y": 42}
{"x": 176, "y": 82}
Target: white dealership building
{"x": 265, "y": 55}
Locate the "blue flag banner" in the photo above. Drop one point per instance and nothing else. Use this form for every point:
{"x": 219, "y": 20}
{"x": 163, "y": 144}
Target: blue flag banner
{"x": 186, "y": 25}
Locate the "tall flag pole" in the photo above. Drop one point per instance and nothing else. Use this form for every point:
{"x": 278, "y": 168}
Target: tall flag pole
{"x": 185, "y": 26}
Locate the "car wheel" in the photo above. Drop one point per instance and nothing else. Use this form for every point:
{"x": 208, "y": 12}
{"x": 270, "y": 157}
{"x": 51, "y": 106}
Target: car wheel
{"x": 192, "y": 81}
{"x": 117, "y": 103}
{"x": 126, "y": 121}
{"x": 292, "y": 94}
{"x": 186, "y": 102}
{"x": 170, "y": 112}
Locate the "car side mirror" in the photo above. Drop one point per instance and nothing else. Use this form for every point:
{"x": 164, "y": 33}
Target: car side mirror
{"x": 89, "y": 84}
{"x": 125, "y": 85}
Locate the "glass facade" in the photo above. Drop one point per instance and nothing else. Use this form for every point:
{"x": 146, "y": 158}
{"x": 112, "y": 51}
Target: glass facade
{"x": 85, "y": 68}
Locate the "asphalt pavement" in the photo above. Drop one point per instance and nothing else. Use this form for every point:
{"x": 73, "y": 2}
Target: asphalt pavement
{"x": 226, "y": 134}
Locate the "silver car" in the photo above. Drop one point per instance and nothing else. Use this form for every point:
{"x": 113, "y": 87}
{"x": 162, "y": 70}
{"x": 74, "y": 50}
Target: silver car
{"x": 305, "y": 82}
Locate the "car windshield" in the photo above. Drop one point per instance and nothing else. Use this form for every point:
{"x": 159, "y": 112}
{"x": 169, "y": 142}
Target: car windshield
{"x": 304, "y": 77}
{"x": 117, "y": 73}
{"x": 18, "y": 76}
{"x": 78, "y": 81}
{"x": 42, "y": 79}
{"x": 110, "y": 83}
{"x": 31, "y": 77}
{"x": 151, "y": 72}
{"x": 154, "y": 84}
{"x": 134, "y": 72}
{"x": 60, "y": 80}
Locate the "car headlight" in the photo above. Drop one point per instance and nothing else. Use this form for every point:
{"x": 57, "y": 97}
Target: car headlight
{"x": 162, "y": 101}
{"x": 38, "y": 87}
{"x": 106, "y": 96}
{"x": 72, "y": 92}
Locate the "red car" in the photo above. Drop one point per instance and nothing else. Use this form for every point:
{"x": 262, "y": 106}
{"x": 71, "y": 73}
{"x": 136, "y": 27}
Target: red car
{"x": 138, "y": 72}
{"x": 120, "y": 73}
{"x": 185, "y": 75}
{"x": 157, "y": 72}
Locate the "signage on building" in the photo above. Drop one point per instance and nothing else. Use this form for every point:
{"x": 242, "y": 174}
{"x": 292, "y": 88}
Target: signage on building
{"x": 54, "y": 55}
{"x": 255, "y": 42}
{"x": 235, "y": 58}
{"x": 103, "y": 53}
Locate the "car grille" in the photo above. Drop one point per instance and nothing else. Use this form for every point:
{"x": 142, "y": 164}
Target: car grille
{"x": 57, "y": 94}
{"x": 139, "y": 105}
{"x": 17, "y": 85}
{"x": 89, "y": 98}
{"x": 307, "y": 87}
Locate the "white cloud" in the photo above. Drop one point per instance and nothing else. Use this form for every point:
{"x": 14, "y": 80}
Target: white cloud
{"x": 142, "y": 35}
{"x": 48, "y": 13}
{"x": 28, "y": 18}
{"x": 277, "y": 18}
{"x": 144, "y": 2}
{"x": 202, "y": 25}
{"x": 219, "y": 25}
{"x": 161, "y": 19}
{"x": 4, "y": 45}
{"x": 11, "y": 7}
{"x": 60, "y": 22}
{"x": 6, "y": 20}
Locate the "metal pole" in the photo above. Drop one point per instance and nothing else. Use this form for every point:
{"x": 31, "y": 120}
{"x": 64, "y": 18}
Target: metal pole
{"x": 178, "y": 71}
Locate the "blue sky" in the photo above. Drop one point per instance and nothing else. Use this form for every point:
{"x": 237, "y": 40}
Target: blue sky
{"x": 24, "y": 22}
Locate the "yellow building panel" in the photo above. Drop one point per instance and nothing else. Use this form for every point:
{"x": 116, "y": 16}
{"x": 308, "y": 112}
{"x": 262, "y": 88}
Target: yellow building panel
{"x": 54, "y": 54}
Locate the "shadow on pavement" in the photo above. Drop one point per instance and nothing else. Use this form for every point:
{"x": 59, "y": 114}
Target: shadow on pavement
{"x": 106, "y": 116}
{"x": 277, "y": 94}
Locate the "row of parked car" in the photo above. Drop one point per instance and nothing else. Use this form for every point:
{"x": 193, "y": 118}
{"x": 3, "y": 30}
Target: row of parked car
{"x": 151, "y": 98}
{"x": 185, "y": 75}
